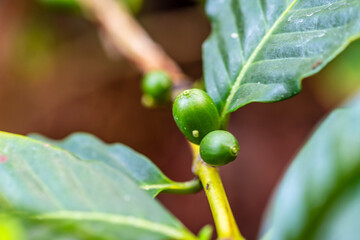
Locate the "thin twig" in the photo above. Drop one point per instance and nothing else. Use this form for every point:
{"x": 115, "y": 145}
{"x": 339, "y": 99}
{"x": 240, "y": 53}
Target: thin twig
{"x": 130, "y": 39}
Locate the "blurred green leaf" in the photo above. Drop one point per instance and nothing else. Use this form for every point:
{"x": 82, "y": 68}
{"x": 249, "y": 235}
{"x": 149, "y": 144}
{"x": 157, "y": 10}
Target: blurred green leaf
{"x": 340, "y": 78}
{"x": 319, "y": 196}
{"x": 10, "y": 228}
{"x": 90, "y": 198}
{"x": 133, "y": 5}
{"x": 68, "y": 4}
{"x": 34, "y": 48}
{"x": 121, "y": 158}
{"x": 259, "y": 51}
{"x": 205, "y": 233}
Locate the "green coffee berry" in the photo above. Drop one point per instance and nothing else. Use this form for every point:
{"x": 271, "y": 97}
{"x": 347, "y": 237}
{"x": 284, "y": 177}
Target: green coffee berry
{"x": 195, "y": 114}
{"x": 219, "y": 148}
{"x": 156, "y": 85}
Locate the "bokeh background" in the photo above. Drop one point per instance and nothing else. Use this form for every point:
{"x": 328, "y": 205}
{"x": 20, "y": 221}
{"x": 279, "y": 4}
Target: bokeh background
{"x": 56, "y": 78}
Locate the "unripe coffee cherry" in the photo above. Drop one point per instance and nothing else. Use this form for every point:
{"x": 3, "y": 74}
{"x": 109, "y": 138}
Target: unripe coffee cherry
{"x": 195, "y": 114}
{"x": 156, "y": 86}
{"x": 219, "y": 148}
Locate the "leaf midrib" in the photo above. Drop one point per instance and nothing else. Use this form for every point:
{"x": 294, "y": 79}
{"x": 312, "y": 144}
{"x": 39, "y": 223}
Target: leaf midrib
{"x": 117, "y": 220}
{"x": 251, "y": 59}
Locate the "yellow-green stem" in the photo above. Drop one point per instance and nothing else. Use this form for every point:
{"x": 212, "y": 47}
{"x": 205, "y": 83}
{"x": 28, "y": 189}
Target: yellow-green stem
{"x": 225, "y": 223}
{"x": 188, "y": 187}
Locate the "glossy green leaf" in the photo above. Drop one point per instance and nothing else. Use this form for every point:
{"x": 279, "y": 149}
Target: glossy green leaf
{"x": 320, "y": 193}
{"x": 91, "y": 198}
{"x": 123, "y": 159}
{"x": 259, "y": 51}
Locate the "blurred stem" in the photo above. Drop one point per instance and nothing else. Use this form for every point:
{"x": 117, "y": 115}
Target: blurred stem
{"x": 130, "y": 39}
{"x": 225, "y": 223}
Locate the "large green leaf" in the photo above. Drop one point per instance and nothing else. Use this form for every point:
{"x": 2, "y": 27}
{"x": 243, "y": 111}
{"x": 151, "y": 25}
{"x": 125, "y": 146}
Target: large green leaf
{"x": 123, "y": 159}
{"x": 320, "y": 194}
{"x": 259, "y": 50}
{"x": 91, "y": 198}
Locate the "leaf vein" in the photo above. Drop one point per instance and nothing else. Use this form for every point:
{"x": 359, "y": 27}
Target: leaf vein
{"x": 322, "y": 6}
{"x": 222, "y": 52}
{"x": 41, "y": 183}
{"x": 240, "y": 29}
{"x": 116, "y": 220}
{"x": 263, "y": 14}
{"x": 281, "y": 59}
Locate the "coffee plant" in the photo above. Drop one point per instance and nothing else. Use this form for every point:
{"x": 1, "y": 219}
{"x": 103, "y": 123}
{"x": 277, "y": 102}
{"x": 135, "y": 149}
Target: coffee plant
{"x": 258, "y": 51}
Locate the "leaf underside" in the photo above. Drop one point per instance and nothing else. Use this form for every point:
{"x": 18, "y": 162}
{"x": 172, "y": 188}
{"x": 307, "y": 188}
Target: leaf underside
{"x": 319, "y": 196}
{"x": 90, "y": 199}
{"x": 119, "y": 156}
{"x": 260, "y": 50}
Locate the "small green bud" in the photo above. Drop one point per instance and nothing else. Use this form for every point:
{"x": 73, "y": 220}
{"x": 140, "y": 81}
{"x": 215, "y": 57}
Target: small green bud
{"x": 156, "y": 85}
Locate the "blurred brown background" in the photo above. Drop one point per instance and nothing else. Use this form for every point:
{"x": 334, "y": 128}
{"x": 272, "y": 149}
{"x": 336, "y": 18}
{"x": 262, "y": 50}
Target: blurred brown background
{"x": 56, "y": 79}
